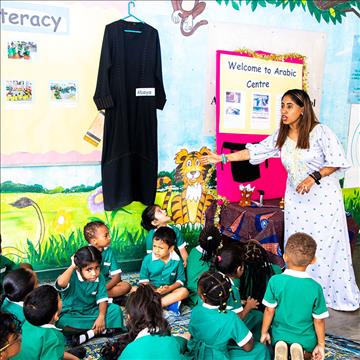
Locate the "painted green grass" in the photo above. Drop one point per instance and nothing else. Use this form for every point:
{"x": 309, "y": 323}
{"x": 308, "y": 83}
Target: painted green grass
{"x": 352, "y": 203}
{"x": 21, "y": 228}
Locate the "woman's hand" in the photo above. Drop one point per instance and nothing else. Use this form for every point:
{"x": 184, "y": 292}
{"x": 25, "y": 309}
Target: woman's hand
{"x": 305, "y": 186}
{"x": 99, "y": 325}
{"x": 211, "y": 158}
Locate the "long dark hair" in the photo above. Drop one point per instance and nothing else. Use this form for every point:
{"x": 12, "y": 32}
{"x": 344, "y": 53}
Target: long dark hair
{"x": 17, "y": 284}
{"x": 257, "y": 271}
{"x": 210, "y": 241}
{"x": 144, "y": 311}
{"x": 215, "y": 288}
{"x": 307, "y": 122}
{"x": 87, "y": 255}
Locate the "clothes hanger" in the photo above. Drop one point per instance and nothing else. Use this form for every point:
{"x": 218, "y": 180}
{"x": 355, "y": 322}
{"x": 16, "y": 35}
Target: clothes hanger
{"x": 130, "y": 15}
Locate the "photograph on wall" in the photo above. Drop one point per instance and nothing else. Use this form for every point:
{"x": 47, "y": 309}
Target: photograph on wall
{"x": 18, "y": 91}
{"x": 63, "y": 92}
{"x": 20, "y": 49}
{"x": 234, "y": 113}
{"x": 260, "y": 115}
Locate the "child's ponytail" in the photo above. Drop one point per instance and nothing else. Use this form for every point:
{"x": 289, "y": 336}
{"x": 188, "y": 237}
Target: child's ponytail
{"x": 210, "y": 241}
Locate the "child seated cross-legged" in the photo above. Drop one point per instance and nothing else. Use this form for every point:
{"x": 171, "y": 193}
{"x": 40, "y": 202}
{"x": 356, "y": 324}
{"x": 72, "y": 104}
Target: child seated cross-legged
{"x": 215, "y": 332}
{"x": 164, "y": 270}
{"x": 154, "y": 217}
{"x": 149, "y": 336}
{"x": 97, "y": 234}
{"x": 85, "y": 301}
{"x": 17, "y": 285}
{"x": 199, "y": 259}
{"x": 295, "y": 305}
{"x": 230, "y": 262}
{"x": 41, "y": 340}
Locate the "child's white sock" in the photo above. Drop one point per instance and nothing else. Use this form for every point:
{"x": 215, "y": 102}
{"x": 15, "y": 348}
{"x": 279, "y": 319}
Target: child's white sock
{"x": 87, "y": 336}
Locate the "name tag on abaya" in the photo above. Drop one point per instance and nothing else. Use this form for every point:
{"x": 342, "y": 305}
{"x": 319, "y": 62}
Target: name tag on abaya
{"x": 145, "y": 92}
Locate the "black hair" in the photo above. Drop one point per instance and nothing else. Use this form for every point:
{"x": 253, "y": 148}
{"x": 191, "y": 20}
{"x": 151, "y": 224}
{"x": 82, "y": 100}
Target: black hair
{"x": 228, "y": 260}
{"x": 165, "y": 234}
{"x": 10, "y": 325}
{"x": 91, "y": 228}
{"x": 87, "y": 255}
{"x": 147, "y": 217}
{"x": 41, "y": 305}
{"x": 145, "y": 311}
{"x": 17, "y": 284}
{"x": 215, "y": 288}
{"x": 210, "y": 241}
{"x": 257, "y": 272}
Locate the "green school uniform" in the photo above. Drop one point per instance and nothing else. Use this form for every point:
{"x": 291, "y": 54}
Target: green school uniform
{"x": 220, "y": 335}
{"x": 158, "y": 273}
{"x": 15, "y": 308}
{"x": 180, "y": 242}
{"x": 154, "y": 347}
{"x": 6, "y": 265}
{"x": 297, "y": 299}
{"x": 194, "y": 268}
{"x": 253, "y": 319}
{"x": 44, "y": 342}
{"x": 81, "y": 301}
{"x": 109, "y": 265}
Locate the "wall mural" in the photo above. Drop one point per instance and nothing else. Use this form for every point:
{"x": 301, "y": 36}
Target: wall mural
{"x": 44, "y": 226}
{"x": 327, "y": 10}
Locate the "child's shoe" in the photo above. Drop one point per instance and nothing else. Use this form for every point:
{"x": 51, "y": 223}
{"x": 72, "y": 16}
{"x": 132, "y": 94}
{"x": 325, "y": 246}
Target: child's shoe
{"x": 296, "y": 352}
{"x": 281, "y": 351}
{"x": 175, "y": 308}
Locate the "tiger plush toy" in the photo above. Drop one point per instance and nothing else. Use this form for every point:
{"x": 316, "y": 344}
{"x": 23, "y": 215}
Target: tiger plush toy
{"x": 189, "y": 206}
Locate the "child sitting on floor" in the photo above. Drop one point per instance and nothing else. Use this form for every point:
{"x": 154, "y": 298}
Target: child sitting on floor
{"x": 41, "y": 340}
{"x": 10, "y": 336}
{"x": 217, "y": 333}
{"x": 154, "y": 217}
{"x": 85, "y": 301}
{"x": 199, "y": 259}
{"x": 164, "y": 270}
{"x": 231, "y": 263}
{"x": 17, "y": 284}
{"x": 257, "y": 271}
{"x": 295, "y": 304}
{"x": 149, "y": 335}
{"x": 97, "y": 234}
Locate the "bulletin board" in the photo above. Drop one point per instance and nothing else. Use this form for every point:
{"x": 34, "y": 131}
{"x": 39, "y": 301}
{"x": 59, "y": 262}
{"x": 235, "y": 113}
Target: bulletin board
{"x": 249, "y": 87}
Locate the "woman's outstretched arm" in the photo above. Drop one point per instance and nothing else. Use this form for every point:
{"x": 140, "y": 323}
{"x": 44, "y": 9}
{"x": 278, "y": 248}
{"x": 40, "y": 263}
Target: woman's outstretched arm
{"x": 213, "y": 158}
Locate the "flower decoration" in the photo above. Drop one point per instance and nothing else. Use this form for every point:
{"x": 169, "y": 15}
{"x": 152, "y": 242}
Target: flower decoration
{"x": 62, "y": 221}
{"x": 96, "y": 201}
{"x": 220, "y": 203}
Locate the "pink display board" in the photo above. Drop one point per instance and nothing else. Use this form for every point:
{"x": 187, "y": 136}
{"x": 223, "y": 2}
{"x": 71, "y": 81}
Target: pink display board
{"x": 273, "y": 176}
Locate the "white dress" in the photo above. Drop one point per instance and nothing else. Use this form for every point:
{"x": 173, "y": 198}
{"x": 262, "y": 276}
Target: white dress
{"x": 319, "y": 213}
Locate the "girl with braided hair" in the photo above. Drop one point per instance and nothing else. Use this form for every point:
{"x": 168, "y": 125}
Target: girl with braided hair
{"x": 230, "y": 262}
{"x": 200, "y": 258}
{"x": 149, "y": 335}
{"x": 257, "y": 271}
{"x": 217, "y": 333}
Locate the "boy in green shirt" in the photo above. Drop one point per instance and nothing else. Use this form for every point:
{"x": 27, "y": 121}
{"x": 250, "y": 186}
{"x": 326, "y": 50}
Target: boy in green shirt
{"x": 154, "y": 217}
{"x": 164, "y": 269}
{"x": 41, "y": 340}
{"x": 295, "y": 304}
{"x": 97, "y": 234}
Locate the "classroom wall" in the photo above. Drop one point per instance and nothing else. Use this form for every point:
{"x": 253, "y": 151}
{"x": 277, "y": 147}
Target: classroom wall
{"x": 50, "y": 176}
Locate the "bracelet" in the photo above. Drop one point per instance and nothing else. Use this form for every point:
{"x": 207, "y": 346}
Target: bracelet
{"x": 316, "y": 176}
{"x": 224, "y": 159}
